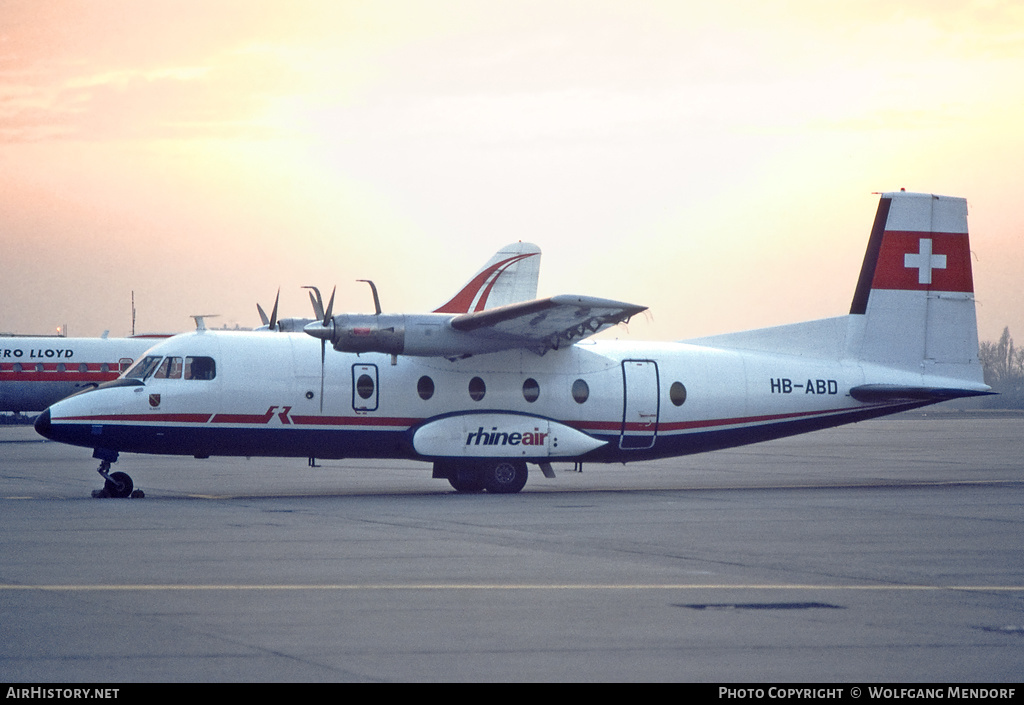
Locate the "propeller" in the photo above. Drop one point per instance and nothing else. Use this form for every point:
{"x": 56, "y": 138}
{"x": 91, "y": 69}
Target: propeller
{"x": 318, "y": 302}
{"x": 270, "y": 323}
{"x": 322, "y": 329}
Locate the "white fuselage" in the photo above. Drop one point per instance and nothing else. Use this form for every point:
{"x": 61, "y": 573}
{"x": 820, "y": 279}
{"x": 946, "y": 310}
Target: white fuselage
{"x": 486, "y": 391}
{"x": 632, "y": 401}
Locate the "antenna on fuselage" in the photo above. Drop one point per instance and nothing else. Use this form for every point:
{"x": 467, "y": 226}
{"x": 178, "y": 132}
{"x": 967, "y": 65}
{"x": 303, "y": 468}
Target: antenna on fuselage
{"x": 200, "y": 319}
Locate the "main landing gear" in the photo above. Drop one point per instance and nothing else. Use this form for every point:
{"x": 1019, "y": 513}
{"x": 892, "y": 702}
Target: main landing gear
{"x": 497, "y": 476}
{"x": 116, "y": 484}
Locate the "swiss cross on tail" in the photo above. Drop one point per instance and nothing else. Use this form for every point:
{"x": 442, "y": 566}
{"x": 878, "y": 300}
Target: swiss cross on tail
{"x": 924, "y": 260}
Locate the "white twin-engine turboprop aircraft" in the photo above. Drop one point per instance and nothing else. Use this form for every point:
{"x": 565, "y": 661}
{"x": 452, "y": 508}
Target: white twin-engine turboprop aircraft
{"x": 495, "y": 379}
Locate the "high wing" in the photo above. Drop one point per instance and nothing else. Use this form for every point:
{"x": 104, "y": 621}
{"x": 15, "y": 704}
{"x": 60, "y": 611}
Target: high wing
{"x": 495, "y": 310}
{"x": 545, "y": 324}
{"x": 539, "y": 326}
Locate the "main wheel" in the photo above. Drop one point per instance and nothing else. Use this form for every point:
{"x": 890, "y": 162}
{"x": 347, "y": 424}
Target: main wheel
{"x": 465, "y": 478}
{"x": 119, "y": 485}
{"x": 504, "y": 476}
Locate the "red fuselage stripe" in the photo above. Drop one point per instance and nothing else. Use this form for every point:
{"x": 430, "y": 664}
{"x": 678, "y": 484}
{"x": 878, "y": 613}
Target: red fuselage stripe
{"x": 405, "y": 423}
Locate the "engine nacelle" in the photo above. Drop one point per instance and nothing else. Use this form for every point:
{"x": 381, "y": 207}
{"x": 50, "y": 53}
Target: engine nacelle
{"x": 423, "y": 335}
{"x": 359, "y": 333}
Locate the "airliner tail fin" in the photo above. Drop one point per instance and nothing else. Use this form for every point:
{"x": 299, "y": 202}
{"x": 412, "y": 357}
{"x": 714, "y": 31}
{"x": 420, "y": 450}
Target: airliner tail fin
{"x": 916, "y": 289}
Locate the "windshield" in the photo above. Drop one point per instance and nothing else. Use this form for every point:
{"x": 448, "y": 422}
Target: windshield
{"x": 171, "y": 367}
{"x": 143, "y": 368}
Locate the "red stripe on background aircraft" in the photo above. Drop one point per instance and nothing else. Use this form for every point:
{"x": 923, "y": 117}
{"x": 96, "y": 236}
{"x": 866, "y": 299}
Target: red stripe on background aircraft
{"x": 485, "y": 390}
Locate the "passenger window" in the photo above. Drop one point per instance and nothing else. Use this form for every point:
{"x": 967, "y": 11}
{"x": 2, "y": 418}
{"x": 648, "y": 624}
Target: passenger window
{"x": 202, "y": 368}
{"x": 580, "y": 391}
{"x": 531, "y": 390}
{"x": 677, "y": 393}
{"x": 477, "y": 389}
{"x": 425, "y": 387}
{"x": 364, "y": 386}
{"x": 170, "y": 368}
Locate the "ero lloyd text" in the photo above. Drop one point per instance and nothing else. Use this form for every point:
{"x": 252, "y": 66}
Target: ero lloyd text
{"x": 35, "y": 354}
{"x": 783, "y": 385}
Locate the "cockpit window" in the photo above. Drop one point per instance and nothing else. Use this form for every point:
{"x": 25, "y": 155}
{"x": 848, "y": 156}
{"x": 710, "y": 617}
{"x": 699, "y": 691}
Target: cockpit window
{"x": 170, "y": 368}
{"x": 194, "y": 367}
{"x": 143, "y": 368}
{"x": 200, "y": 368}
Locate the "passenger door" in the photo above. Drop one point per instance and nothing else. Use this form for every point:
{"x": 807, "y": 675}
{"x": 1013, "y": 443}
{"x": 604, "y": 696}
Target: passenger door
{"x": 640, "y": 404}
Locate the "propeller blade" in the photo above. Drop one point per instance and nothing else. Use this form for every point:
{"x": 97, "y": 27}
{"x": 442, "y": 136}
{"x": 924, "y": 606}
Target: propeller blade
{"x": 318, "y": 302}
{"x": 263, "y": 315}
{"x": 329, "y": 313}
{"x": 323, "y": 357}
{"x": 273, "y": 314}
{"x": 373, "y": 288}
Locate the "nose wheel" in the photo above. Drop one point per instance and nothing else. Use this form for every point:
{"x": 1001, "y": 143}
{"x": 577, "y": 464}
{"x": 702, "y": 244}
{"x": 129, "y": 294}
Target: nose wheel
{"x": 116, "y": 484}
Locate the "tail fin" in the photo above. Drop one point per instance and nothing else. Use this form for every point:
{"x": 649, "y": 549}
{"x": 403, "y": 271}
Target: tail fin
{"x": 916, "y": 289}
{"x": 509, "y": 277}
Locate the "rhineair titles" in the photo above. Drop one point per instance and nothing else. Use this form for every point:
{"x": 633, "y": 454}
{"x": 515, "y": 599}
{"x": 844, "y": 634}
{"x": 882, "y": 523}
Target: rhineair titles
{"x": 784, "y": 385}
{"x": 502, "y": 438}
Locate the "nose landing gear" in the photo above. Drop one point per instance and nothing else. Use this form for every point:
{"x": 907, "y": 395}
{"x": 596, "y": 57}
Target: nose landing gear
{"x": 116, "y": 484}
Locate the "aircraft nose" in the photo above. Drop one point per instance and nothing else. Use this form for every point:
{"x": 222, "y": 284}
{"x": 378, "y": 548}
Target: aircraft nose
{"x": 42, "y": 424}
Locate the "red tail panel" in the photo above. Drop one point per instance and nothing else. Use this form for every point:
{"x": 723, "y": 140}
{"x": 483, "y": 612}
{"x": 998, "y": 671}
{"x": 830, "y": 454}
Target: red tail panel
{"x": 928, "y": 261}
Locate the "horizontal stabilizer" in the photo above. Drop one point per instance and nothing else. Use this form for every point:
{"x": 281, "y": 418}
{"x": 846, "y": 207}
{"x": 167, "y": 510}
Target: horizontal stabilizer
{"x": 890, "y": 393}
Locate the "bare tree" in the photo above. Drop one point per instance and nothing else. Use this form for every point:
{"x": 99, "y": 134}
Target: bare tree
{"x": 1003, "y": 364}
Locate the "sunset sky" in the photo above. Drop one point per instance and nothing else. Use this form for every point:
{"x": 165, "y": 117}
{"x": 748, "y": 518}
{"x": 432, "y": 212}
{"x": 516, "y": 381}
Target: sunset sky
{"x": 713, "y": 161}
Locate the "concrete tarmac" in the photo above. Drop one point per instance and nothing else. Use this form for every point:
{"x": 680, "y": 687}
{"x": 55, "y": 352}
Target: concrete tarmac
{"x": 885, "y": 551}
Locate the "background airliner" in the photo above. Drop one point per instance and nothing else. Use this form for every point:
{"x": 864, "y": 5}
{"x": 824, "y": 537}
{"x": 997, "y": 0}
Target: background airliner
{"x": 37, "y": 371}
{"x": 496, "y": 380}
